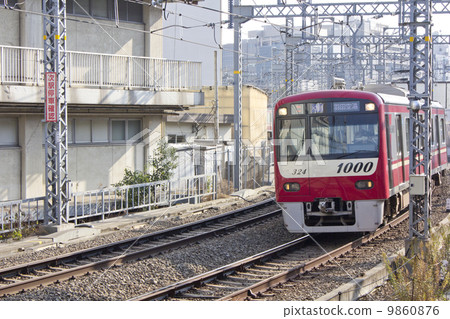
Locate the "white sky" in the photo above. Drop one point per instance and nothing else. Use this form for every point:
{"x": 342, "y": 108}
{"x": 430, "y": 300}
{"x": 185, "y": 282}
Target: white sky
{"x": 441, "y": 21}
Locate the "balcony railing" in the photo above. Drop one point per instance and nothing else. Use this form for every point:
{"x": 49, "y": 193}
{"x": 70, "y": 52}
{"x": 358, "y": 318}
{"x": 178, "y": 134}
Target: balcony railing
{"x": 24, "y": 66}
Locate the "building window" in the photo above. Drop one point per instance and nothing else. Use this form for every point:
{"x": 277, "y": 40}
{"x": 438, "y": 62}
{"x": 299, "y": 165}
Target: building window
{"x": 128, "y": 11}
{"x": 103, "y": 131}
{"x": 9, "y": 132}
{"x": 99, "y": 8}
{"x": 83, "y": 133}
{"x": 176, "y": 139}
{"x": 125, "y": 130}
{"x": 87, "y": 131}
{"x": 118, "y": 130}
{"x": 100, "y": 131}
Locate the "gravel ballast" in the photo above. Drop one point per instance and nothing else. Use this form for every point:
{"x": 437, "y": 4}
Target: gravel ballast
{"x": 134, "y": 278}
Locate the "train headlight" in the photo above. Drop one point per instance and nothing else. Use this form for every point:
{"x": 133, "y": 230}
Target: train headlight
{"x": 370, "y": 107}
{"x": 364, "y": 184}
{"x": 291, "y": 187}
{"x": 282, "y": 111}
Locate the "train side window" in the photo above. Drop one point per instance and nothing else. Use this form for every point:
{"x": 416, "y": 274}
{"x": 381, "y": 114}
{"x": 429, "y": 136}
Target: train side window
{"x": 399, "y": 136}
{"x": 407, "y": 135}
{"x": 389, "y": 150}
{"x": 433, "y": 132}
{"x": 388, "y": 137}
{"x": 436, "y": 131}
{"x": 393, "y": 136}
{"x": 422, "y": 139}
{"x": 442, "y": 130}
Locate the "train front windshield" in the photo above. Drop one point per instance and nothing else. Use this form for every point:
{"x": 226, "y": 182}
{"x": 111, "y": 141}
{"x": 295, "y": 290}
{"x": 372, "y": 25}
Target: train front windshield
{"x": 303, "y": 131}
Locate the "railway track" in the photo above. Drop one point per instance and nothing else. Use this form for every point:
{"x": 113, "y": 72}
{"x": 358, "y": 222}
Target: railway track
{"x": 251, "y": 277}
{"x": 44, "y": 272}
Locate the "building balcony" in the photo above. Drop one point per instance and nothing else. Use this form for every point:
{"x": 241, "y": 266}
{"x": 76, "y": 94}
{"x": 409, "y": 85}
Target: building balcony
{"x": 24, "y": 66}
{"x": 101, "y": 79}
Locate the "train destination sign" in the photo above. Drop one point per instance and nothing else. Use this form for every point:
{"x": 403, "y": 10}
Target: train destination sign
{"x": 315, "y": 108}
{"x": 348, "y": 106}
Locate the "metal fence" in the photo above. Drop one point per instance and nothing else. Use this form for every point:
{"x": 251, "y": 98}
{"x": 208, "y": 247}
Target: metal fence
{"x": 21, "y": 213}
{"x": 257, "y": 164}
{"x": 20, "y": 65}
{"x": 213, "y": 174}
{"x": 100, "y": 203}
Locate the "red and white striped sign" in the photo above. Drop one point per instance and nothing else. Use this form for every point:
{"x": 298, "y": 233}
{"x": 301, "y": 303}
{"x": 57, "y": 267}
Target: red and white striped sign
{"x": 51, "y": 97}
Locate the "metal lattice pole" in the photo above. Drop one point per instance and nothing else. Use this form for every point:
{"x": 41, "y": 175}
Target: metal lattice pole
{"x": 420, "y": 85}
{"x": 238, "y": 155}
{"x": 56, "y": 176}
{"x": 289, "y": 66}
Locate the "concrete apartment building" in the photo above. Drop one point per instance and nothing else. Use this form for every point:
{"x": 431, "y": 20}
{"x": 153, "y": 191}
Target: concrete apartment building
{"x": 124, "y": 95}
{"x": 120, "y": 92}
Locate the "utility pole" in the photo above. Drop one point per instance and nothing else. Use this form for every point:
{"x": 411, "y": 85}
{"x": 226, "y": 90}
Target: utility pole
{"x": 420, "y": 86}
{"x": 216, "y": 102}
{"x": 56, "y": 174}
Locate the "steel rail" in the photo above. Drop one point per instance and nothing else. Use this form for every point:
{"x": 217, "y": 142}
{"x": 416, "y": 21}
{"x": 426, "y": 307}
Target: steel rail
{"x": 126, "y": 249}
{"x": 177, "y": 289}
{"x": 221, "y": 272}
{"x": 264, "y": 285}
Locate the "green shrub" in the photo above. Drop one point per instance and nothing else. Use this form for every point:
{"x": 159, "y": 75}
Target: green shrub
{"x": 160, "y": 167}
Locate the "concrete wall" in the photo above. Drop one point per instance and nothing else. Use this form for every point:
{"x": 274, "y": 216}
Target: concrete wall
{"x": 31, "y": 140}
{"x": 10, "y": 21}
{"x": 26, "y": 29}
{"x": 85, "y": 96}
{"x": 255, "y": 116}
{"x": 9, "y": 173}
{"x": 107, "y": 39}
{"x": 107, "y": 168}
{"x": 92, "y": 166}
{"x": 31, "y": 26}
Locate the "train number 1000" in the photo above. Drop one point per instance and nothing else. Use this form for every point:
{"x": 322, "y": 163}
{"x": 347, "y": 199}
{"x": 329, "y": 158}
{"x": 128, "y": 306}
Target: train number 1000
{"x": 355, "y": 168}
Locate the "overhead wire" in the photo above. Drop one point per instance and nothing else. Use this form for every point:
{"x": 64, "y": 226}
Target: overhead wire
{"x": 168, "y": 36}
{"x": 175, "y": 38}
{"x": 141, "y": 31}
{"x": 265, "y": 21}
{"x": 154, "y": 32}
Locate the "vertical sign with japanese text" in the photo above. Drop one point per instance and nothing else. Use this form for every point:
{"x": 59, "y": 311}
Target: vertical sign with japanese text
{"x": 51, "y": 97}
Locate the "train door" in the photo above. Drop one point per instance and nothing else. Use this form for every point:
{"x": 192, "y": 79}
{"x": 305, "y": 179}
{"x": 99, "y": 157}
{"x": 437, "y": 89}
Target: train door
{"x": 389, "y": 150}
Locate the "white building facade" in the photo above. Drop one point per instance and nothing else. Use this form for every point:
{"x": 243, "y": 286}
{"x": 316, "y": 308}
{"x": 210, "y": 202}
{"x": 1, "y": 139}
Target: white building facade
{"x": 193, "y": 33}
{"x": 120, "y": 92}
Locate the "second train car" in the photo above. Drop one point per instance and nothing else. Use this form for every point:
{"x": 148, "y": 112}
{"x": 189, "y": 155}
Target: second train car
{"x": 342, "y": 158}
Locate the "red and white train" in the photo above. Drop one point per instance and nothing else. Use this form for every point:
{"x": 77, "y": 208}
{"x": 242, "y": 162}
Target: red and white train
{"x": 342, "y": 158}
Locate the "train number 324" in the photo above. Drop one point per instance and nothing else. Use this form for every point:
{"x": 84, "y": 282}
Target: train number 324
{"x": 355, "y": 168}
